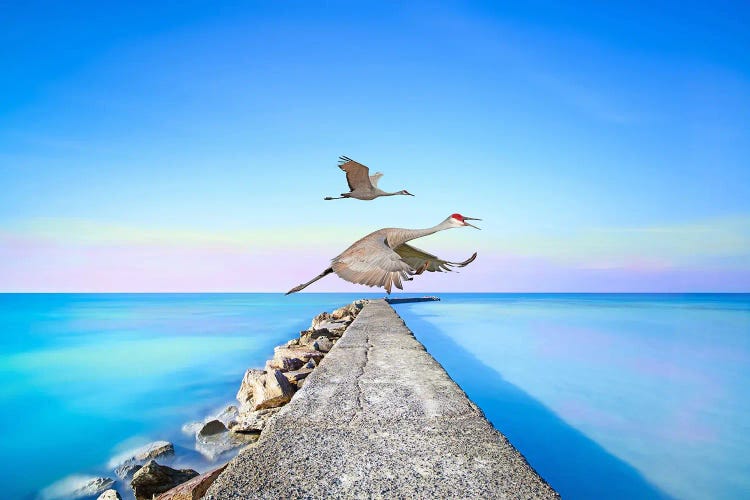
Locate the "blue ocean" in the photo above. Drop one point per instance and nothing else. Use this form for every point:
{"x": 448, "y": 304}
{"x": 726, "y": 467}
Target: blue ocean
{"x": 607, "y": 396}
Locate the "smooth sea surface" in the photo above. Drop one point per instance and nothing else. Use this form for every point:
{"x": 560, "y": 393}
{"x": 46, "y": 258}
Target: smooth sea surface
{"x": 607, "y": 396}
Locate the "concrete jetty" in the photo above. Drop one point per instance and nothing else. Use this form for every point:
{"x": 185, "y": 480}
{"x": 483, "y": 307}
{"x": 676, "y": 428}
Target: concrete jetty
{"x": 379, "y": 418}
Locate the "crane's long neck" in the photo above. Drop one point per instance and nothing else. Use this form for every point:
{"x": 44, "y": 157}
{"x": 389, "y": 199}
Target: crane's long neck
{"x": 400, "y": 236}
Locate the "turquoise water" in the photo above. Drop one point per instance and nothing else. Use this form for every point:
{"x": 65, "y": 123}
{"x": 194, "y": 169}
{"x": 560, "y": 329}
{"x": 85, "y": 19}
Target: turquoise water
{"x": 629, "y": 396}
{"x": 607, "y": 396}
{"x": 84, "y": 377}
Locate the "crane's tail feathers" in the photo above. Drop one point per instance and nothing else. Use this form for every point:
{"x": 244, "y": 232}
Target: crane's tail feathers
{"x": 304, "y": 285}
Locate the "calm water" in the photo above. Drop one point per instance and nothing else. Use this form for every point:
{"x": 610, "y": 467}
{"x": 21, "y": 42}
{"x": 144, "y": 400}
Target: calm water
{"x": 85, "y": 377}
{"x": 633, "y": 396}
{"x": 608, "y": 396}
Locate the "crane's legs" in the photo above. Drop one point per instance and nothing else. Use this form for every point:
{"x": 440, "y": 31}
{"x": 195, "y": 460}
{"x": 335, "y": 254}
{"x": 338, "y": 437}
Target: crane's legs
{"x": 303, "y": 285}
{"x": 343, "y": 195}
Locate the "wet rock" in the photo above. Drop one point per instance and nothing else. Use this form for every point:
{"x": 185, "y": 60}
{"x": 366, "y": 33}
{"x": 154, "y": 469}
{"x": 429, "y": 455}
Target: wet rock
{"x": 126, "y": 471}
{"x": 335, "y": 327}
{"x": 271, "y": 390}
{"x": 288, "y": 359}
{"x": 154, "y": 479}
{"x": 227, "y": 414}
{"x": 245, "y": 394}
{"x": 253, "y": 422}
{"x": 311, "y": 364}
{"x": 157, "y": 449}
{"x": 194, "y": 489}
{"x": 212, "y": 427}
{"x": 283, "y": 363}
{"x": 214, "y": 446}
{"x": 75, "y": 487}
{"x": 340, "y": 312}
{"x": 309, "y": 336}
{"x": 323, "y": 344}
{"x": 110, "y": 495}
{"x": 123, "y": 464}
{"x": 297, "y": 375}
{"x": 324, "y": 316}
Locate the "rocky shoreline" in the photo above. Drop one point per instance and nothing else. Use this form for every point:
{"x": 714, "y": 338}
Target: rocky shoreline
{"x": 262, "y": 393}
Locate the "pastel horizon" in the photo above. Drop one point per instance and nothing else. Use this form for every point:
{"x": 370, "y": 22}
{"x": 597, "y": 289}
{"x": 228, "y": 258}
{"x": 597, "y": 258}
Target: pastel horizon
{"x": 188, "y": 149}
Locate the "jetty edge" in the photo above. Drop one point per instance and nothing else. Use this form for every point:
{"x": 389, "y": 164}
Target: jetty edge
{"x": 379, "y": 417}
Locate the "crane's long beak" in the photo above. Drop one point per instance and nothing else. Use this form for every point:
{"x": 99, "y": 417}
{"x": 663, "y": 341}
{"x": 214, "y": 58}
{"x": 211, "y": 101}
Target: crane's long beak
{"x": 472, "y": 225}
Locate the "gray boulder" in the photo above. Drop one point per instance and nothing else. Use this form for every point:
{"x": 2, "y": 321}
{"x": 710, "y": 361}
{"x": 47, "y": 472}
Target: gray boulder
{"x": 123, "y": 465}
{"x": 297, "y": 375}
{"x": 253, "y": 422}
{"x": 227, "y": 414}
{"x": 212, "y": 427}
{"x": 323, "y": 344}
{"x": 195, "y": 488}
{"x": 324, "y": 316}
{"x": 271, "y": 390}
{"x": 283, "y": 363}
{"x": 110, "y": 495}
{"x": 126, "y": 471}
{"x": 302, "y": 354}
{"x": 76, "y": 487}
{"x": 216, "y": 445}
{"x": 245, "y": 394}
{"x": 154, "y": 479}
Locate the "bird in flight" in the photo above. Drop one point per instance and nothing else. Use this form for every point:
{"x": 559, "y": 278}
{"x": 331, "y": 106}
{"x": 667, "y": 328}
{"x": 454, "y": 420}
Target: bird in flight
{"x": 362, "y": 185}
{"x": 383, "y": 258}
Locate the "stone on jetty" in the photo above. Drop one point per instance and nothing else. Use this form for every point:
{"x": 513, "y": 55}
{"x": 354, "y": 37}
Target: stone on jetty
{"x": 153, "y": 479}
{"x": 76, "y": 486}
{"x": 212, "y": 427}
{"x": 194, "y": 489}
{"x": 297, "y": 375}
{"x": 299, "y": 356}
{"x": 253, "y": 422}
{"x": 227, "y": 414}
{"x": 245, "y": 394}
{"x": 110, "y": 495}
{"x": 157, "y": 449}
{"x": 381, "y": 419}
{"x": 319, "y": 319}
{"x": 126, "y": 471}
{"x": 271, "y": 390}
{"x": 213, "y": 446}
{"x": 125, "y": 464}
{"x": 323, "y": 344}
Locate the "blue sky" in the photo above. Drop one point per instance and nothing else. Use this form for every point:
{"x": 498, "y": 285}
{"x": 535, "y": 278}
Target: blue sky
{"x": 187, "y": 146}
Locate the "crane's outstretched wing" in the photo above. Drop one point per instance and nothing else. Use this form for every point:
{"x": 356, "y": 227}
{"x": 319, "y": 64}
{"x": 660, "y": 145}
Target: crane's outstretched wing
{"x": 423, "y": 261}
{"x": 357, "y": 175}
{"x": 374, "y": 178}
{"x": 370, "y": 261}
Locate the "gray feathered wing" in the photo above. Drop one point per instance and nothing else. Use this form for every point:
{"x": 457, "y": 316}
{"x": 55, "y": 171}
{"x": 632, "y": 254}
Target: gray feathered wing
{"x": 357, "y": 175}
{"x": 374, "y": 178}
{"x": 371, "y": 262}
{"x": 422, "y": 261}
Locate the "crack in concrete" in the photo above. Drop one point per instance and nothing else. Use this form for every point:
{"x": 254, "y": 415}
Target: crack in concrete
{"x": 358, "y": 377}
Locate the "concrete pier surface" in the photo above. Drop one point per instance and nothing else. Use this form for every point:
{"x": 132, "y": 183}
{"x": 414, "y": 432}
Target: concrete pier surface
{"x": 380, "y": 418}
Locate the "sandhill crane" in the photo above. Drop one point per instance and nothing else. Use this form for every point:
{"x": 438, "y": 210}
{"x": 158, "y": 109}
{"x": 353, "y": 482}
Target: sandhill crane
{"x": 383, "y": 258}
{"x": 362, "y": 185}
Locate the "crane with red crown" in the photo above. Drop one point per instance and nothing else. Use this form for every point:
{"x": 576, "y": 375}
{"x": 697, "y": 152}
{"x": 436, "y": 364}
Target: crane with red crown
{"x": 383, "y": 259}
